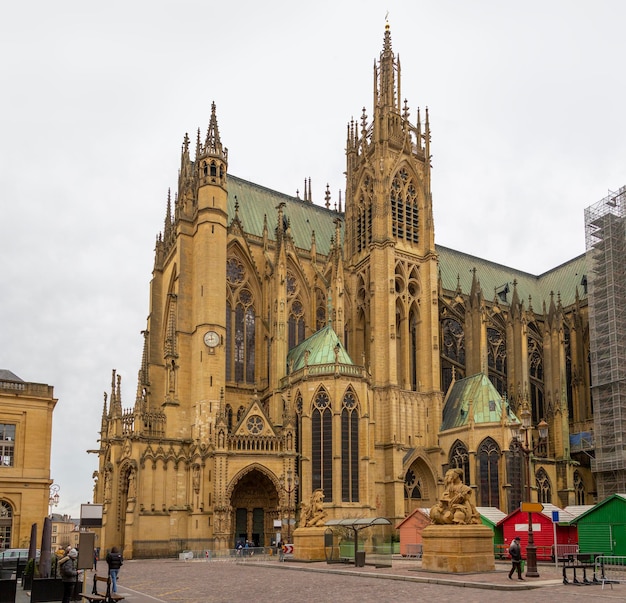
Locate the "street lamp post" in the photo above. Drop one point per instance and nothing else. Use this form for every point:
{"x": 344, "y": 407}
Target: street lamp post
{"x": 289, "y": 488}
{"x": 53, "y": 498}
{"x": 525, "y": 445}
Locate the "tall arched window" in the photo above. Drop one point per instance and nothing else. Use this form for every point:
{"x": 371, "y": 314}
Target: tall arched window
{"x": 240, "y": 325}
{"x": 459, "y": 458}
{"x": 488, "y": 462}
{"x": 322, "y": 444}
{"x": 579, "y": 489}
{"x": 363, "y": 226}
{"x": 452, "y": 351}
{"x": 6, "y": 524}
{"x": 544, "y": 488}
{"x": 295, "y": 322}
{"x": 228, "y": 412}
{"x": 535, "y": 368}
{"x": 404, "y": 207}
{"x": 496, "y": 359}
{"x": 515, "y": 475}
{"x": 349, "y": 448}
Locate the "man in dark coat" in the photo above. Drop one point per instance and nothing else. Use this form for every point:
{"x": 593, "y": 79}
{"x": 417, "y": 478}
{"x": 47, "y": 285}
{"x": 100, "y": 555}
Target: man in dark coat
{"x": 515, "y": 550}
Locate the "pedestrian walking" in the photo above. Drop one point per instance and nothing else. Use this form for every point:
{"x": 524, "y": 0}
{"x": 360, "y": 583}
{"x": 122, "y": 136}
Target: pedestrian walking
{"x": 115, "y": 561}
{"x": 515, "y": 550}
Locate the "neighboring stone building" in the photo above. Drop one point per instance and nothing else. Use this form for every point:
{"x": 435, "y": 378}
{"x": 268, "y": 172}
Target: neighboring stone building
{"x": 25, "y": 441}
{"x": 287, "y": 339}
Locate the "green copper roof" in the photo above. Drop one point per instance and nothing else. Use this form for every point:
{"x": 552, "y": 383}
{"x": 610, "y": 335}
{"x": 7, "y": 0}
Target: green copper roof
{"x": 256, "y": 202}
{"x": 318, "y": 349}
{"x": 563, "y": 279}
{"x": 486, "y": 403}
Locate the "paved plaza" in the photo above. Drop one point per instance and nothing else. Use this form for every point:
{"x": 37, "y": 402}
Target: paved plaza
{"x": 175, "y": 581}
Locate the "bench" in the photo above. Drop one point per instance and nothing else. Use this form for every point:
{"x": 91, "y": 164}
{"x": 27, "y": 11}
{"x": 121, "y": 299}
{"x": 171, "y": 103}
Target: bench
{"x": 96, "y": 596}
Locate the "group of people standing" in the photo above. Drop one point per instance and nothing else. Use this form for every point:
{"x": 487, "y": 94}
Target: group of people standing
{"x": 68, "y": 566}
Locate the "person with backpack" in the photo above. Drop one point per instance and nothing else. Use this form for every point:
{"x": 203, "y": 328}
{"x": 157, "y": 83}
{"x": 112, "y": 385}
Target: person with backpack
{"x": 515, "y": 550}
{"x": 115, "y": 561}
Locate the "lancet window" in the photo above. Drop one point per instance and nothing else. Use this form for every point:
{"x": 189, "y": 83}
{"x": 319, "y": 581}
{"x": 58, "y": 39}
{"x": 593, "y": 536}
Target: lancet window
{"x": 296, "y": 321}
{"x": 320, "y": 309}
{"x": 459, "y": 458}
{"x": 515, "y": 475}
{"x": 321, "y": 444}
{"x": 452, "y": 351}
{"x": 240, "y": 325}
{"x": 363, "y": 228}
{"x": 496, "y": 359}
{"x": 404, "y": 207}
{"x": 544, "y": 488}
{"x": 579, "y": 489}
{"x": 535, "y": 368}
{"x": 349, "y": 448}
{"x": 488, "y": 462}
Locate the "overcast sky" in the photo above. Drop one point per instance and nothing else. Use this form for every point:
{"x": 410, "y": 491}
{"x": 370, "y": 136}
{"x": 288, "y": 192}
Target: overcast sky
{"x": 526, "y": 105}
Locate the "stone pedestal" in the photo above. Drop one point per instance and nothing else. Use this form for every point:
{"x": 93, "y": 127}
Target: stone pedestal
{"x": 308, "y": 544}
{"x": 458, "y": 548}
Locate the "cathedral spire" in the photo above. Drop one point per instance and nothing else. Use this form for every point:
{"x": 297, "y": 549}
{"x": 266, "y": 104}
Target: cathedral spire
{"x": 388, "y": 84}
{"x": 213, "y": 144}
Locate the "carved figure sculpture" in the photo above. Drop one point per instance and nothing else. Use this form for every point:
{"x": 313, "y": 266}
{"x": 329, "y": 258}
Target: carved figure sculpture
{"x": 313, "y": 514}
{"x": 455, "y": 506}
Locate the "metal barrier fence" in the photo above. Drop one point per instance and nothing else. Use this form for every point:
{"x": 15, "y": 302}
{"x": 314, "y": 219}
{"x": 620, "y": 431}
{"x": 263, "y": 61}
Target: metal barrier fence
{"x": 243, "y": 554}
{"x": 611, "y": 569}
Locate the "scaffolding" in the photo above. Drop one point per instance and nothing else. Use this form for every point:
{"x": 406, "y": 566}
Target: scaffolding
{"x": 605, "y": 234}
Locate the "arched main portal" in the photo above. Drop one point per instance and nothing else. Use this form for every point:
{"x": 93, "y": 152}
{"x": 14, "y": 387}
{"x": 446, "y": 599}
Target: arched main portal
{"x": 255, "y": 506}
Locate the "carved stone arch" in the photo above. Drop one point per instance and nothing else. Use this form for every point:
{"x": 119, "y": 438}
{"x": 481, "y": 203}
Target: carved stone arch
{"x": 401, "y": 277}
{"x": 249, "y": 469}
{"x": 420, "y": 482}
{"x": 251, "y": 274}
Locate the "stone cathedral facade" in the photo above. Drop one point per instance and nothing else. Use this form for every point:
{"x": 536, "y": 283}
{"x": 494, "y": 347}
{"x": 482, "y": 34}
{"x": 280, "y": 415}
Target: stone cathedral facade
{"x": 292, "y": 347}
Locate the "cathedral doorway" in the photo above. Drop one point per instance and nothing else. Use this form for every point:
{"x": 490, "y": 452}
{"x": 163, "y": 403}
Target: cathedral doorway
{"x": 255, "y": 506}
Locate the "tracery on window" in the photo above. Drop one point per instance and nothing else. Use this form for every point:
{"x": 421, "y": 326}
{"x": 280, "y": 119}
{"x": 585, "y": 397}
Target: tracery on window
{"x": 535, "y": 369}
{"x": 515, "y": 475}
{"x": 489, "y": 461}
{"x": 349, "y": 448}
{"x": 320, "y": 309}
{"x": 240, "y": 325}
{"x": 412, "y": 485}
{"x": 544, "y": 488}
{"x": 496, "y": 359}
{"x": 363, "y": 226}
{"x": 404, "y": 207}
{"x": 459, "y": 458}
{"x": 452, "y": 351}
{"x": 579, "y": 489}
{"x": 321, "y": 444}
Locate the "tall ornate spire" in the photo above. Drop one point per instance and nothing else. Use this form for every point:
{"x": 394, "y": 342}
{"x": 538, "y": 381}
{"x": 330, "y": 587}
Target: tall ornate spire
{"x": 213, "y": 144}
{"x": 388, "y": 86}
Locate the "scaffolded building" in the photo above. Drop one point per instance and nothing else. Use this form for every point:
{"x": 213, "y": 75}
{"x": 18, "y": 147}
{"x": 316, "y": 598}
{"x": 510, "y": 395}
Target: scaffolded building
{"x": 605, "y": 229}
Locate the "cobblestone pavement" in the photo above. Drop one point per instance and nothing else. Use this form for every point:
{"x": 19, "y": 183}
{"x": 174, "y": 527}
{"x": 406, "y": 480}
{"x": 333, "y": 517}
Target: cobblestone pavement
{"x": 174, "y": 581}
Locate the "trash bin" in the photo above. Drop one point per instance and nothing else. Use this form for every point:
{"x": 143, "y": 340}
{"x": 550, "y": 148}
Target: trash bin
{"x": 359, "y": 559}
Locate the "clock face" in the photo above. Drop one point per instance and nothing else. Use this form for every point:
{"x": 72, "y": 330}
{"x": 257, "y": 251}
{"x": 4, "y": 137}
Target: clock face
{"x": 211, "y": 339}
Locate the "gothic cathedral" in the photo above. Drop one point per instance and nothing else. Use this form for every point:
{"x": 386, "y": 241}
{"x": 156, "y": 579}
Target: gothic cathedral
{"x": 294, "y": 348}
